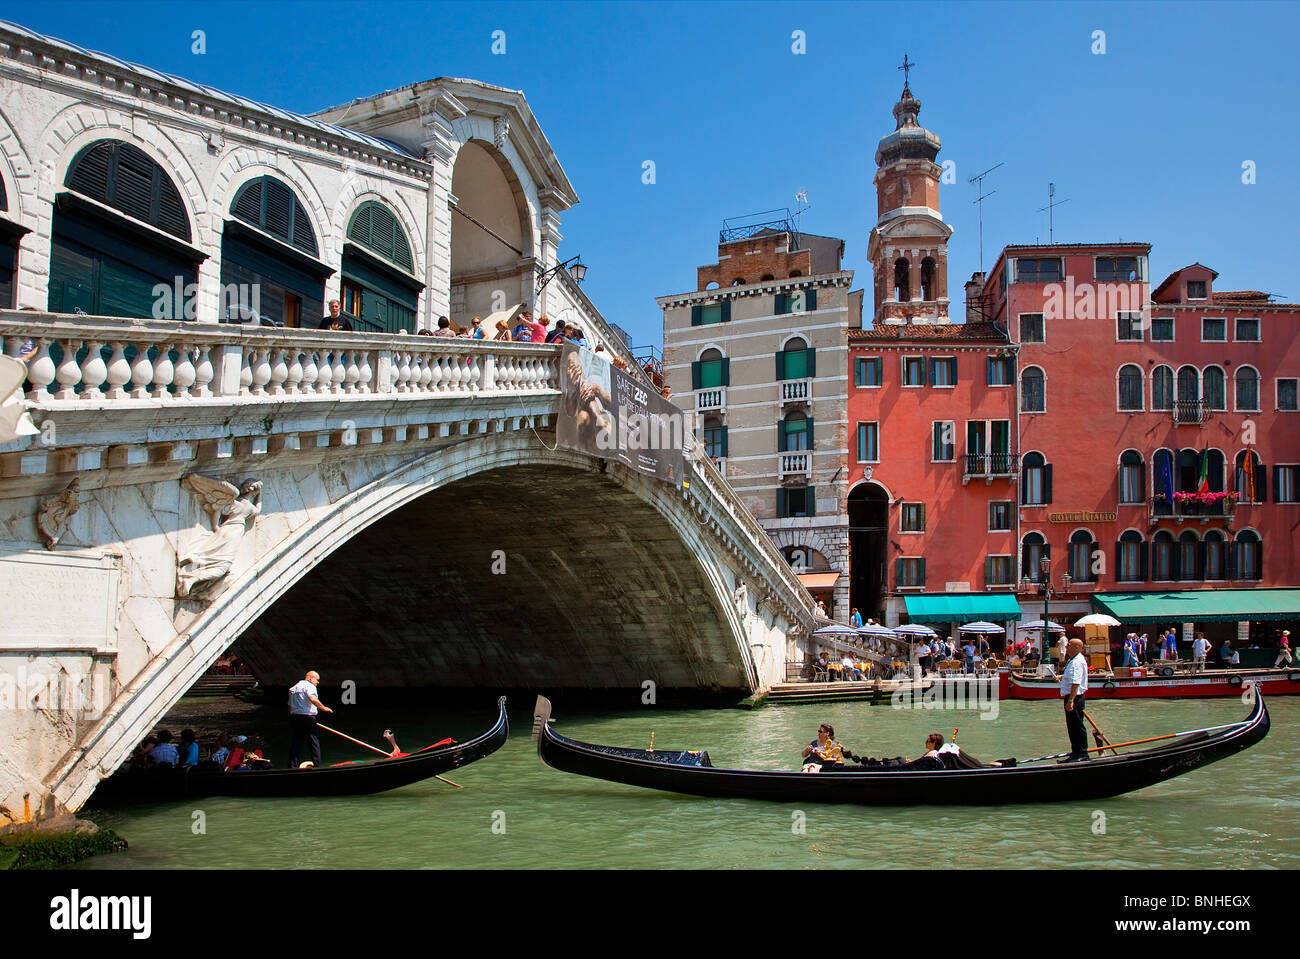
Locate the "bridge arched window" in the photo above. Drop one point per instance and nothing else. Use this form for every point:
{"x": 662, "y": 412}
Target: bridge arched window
{"x": 378, "y": 283}
{"x": 1033, "y": 390}
{"x": 1033, "y": 550}
{"x": 1214, "y": 389}
{"x": 1247, "y": 558}
{"x": 1247, "y": 380}
{"x": 268, "y": 244}
{"x": 1082, "y": 547}
{"x": 1162, "y": 388}
{"x": 710, "y": 371}
{"x": 796, "y": 433}
{"x": 1132, "y": 478}
{"x": 1131, "y": 382}
{"x": 902, "y": 280}
{"x": 119, "y": 229}
{"x": 1131, "y": 558}
{"x": 714, "y": 437}
{"x": 1251, "y": 483}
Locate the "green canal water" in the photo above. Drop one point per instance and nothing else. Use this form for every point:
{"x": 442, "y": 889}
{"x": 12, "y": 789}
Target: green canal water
{"x": 1241, "y": 813}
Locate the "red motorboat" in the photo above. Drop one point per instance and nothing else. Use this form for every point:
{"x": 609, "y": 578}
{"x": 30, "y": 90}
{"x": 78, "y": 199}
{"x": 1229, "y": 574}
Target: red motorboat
{"x": 1162, "y": 681}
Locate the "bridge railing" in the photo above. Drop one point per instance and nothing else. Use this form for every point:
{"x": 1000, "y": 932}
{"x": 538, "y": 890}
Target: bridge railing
{"x": 109, "y": 360}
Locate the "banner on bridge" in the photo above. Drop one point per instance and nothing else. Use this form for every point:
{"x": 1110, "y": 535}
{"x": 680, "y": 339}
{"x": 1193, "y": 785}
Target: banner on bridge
{"x": 606, "y": 413}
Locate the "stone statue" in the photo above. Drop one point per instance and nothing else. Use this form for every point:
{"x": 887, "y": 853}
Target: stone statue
{"x": 230, "y": 511}
{"x": 56, "y": 512}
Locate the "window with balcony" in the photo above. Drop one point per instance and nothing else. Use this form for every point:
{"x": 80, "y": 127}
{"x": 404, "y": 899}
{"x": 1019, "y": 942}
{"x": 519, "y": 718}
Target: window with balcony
{"x": 868, "y": 371}
{"x": 1286, "y": 480}
{"x": 1032, "y": 329}
{"x": 1163, "y": 496}
{"x": 909, "y": 572}
{"x": 1196, "y": 289}
{"x": 1033, "y": 549}
{"x": 1036, "y": 481}
{"x": 988, "y": 448}
{"x": 1082, "y": 547}
{"x": 1214, "y": 329}
{"x": 1214, "y": 389}
{"x": 943, "y": 371}
{"x": 1247, "y": 380}
{"x": 710, "y": 371}
{"x": 1131, "y": 382}
{"x": 868, "y": 442}
{"x": 796, "y": 362}
{"x": 795, "y": 501}
{"x": 1001, "y": 516}
{"x": 795, "y": 433}
{"x": 1162, "y": 388}
{"x": 1033, "y": 390}
{"x": 1251, "y": 478}
{"x": 911, "y": 518}
{"x": 1162, "y": 556}
{"x": 1000, "y": 371}
{"x": 999, "y": 571}
{"x": 1247, "y": 331}
{"x": 1118, "y": 269}
{"x": 1130, "y": 565}
{"x": 1187, "y": 404}
{"x": 1249, "y": 555}
{"x": 1162, "y": 329}
{"x": 1132, "y": 478}
{"x": 1286, "y": 395}
{"x": 914, "y": 371}
{"x": 714, "y": 436}
{"x": 943, "y": 447}
{"x": 1129, "y": 326}
{"x": 1040, "y": 270}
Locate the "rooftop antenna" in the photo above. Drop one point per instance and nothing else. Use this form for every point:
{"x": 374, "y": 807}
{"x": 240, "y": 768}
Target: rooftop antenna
{"x": 1051, "y": 203}
{"x": 978, "y": 180}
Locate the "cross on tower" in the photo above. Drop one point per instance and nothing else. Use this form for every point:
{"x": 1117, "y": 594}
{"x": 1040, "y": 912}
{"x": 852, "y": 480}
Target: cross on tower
{"x": 906, "y": 67}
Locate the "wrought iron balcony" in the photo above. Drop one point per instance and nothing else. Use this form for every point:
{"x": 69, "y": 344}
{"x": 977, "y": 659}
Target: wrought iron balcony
{"x": 795, "y": 464}
{"x": 795, "y": 391}
{"x": 988, "y": 466}
{"x": 1190, "y": 412}
{"x": 1183, "y": 507}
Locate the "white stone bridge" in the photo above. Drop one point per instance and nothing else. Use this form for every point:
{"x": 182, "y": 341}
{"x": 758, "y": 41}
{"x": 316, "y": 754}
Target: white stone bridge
{"x": 418, "y": 528}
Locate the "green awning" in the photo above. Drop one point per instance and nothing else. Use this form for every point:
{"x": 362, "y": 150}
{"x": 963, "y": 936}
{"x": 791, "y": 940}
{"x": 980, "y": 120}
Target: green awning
{"x": 1200, "y": 605}
{"x": 961, "y": 607}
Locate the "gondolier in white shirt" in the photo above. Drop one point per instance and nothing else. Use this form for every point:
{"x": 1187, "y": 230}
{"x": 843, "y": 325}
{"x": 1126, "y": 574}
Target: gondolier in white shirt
{"x": 1074, "y": 687}
{"x": 304, "y": 705}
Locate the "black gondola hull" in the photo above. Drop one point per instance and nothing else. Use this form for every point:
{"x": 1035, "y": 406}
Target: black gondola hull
{"x": 353, "y": 779}
{"x": 1096, "y": 779}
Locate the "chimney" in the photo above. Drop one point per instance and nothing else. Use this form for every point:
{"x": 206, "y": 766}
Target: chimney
{"x": 974, "y": 299}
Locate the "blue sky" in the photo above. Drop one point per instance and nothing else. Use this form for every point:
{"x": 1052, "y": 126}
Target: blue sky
{"x": 1145, "y": 141}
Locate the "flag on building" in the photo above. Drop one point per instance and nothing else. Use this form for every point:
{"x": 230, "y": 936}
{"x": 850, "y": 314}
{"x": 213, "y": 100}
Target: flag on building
{"x": 1203, "y": 484}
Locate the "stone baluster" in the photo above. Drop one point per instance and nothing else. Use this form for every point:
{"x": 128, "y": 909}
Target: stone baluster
{"x": 93, "y": 371}
{"x": 164, "y": 372}
{"x": 119, "y": 372}
{"x": 474, "y": 380}
{"x": 40, "y": 372}
{"x": 69, "y": 372}
{"x": 310, "y": 372}
{"x": 350, "y": 373}
{"x": 203, "y": 372}
{"x": 337, "y": 372}
{"x": 426, "y": 373}
{"x": 365, "y": 372}
{"x": 260, "y": 367}
{"x": 456, "y": 373}
{"x": 141, "y": 373}
{"x": 438, "y": 379}
{"x": 294, "y": 373}
{"x": 184, "y": 377}
{"x": 403, "y": 363}
{"x": 245, "y": 371}
{"x": 279, "y": 372}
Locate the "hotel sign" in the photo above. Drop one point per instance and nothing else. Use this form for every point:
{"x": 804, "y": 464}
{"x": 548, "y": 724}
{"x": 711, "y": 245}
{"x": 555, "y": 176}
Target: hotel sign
{"x": 1081, "y": 517}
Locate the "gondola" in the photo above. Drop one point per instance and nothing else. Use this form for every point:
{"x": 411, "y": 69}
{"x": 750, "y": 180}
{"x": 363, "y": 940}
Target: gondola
{"x": 692, "y": 773}
{"x": 346, "y": 779}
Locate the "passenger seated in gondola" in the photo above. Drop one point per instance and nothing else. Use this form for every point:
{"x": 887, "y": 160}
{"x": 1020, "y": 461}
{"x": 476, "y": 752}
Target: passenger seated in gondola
{"x": 823, "y": 751}
{"x": 252, "y": 757}
{"x": 140, "y": 759}
{"x": 165, "y": 754}
{"x": 236, "y": 753}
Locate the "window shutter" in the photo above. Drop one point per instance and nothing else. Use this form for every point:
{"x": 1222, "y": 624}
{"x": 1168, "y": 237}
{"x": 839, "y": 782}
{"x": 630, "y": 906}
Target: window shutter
{"x": 726, "y": 371}
{"x": 1277, "y": 484}
{"x": 810, "y": 500}
{"x": 923, "y": 517}
{"x": 695, "y": 375}
{"x": 1259, "y": 560}
{"x": 955, "y": 365}
{"x": 922, "y": 571}
{"x": 898, "y": 571}
{"x": 1144, "y": 562}
{"x": 780, "y": 436}
{"x": 1177, "y": 560}
{"x": 724, "y": 442}
{"x": 1119, "y": 562}
{"x": 812, "y": 362}
{"x": 1232, "y": 552}
{"x": 1047, "y": 483}
{"x": 859, "y": 371}
{"x": 810, "y": 435}
{"x": 726, "y": 311}
{"x": 988, "y": 370}
{"x": 1200, "y": 561}
{"x": 810, "y": 298}
{"x": 778, "y": 304}
{"x": 1261, "y": 483}
{"x": 780, "y": 365}
{"x": 780, "y": 503}
{"x": 697, "y": 313}
{"x": 988, "y": 571}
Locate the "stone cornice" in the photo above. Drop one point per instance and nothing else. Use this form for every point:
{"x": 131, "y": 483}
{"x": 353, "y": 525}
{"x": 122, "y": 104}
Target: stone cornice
{"x": 844, "y": 278}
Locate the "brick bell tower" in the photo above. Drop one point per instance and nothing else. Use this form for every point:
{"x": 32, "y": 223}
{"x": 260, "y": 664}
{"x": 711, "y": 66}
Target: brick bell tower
{"x": 909, "y": 245}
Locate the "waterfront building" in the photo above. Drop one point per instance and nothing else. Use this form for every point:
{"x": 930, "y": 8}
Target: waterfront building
{"x": 757, "y": 352}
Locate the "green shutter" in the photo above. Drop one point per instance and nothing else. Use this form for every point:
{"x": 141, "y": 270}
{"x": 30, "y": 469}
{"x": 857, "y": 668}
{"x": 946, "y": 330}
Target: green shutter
{"x": 809, "y": 421}
{"x": 726, "y": 311}
{"x": 724, "y": 442}
{"x": 812, "y": 361}
{"x": 922, "y": 563}
{"x": 697, "y": 312}
{"x": 780, "y": 364}
{"x": 726, "y": 371}
{"x": 922, "y": 517}
{"x": 988, "y": 571}
{"x": 780, "y": 436}
{"x": 780, "y": 503}
{"x": 810, "y": 500}
{"x": 811, "y": 299}
{"x": 898, "y": 571}
{"x": 778, "y": 304}
{"x": 695, "y": 375}
{"x": 1047, "y": 483}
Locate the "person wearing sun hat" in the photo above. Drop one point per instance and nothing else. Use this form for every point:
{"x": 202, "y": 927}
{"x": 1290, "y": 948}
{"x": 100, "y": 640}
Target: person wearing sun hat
{"x": 1283, "y": 649}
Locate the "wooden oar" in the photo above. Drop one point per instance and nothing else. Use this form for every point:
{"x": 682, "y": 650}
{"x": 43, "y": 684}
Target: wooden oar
{"x": 377, "y": 749}
{"x": 1136, "y": 742}
{"x": 1098, "y": 736}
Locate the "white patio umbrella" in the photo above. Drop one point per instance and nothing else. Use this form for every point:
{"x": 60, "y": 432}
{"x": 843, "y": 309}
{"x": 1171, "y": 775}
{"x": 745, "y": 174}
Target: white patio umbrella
{"x": 915, "y": 629}
{"x": 1097, "y": 619}
{"x": 835, "y": 629}
{"x": 1038, "y": 624}
{"x": 877, "y": 630}
{"x": 986, "y": 629}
